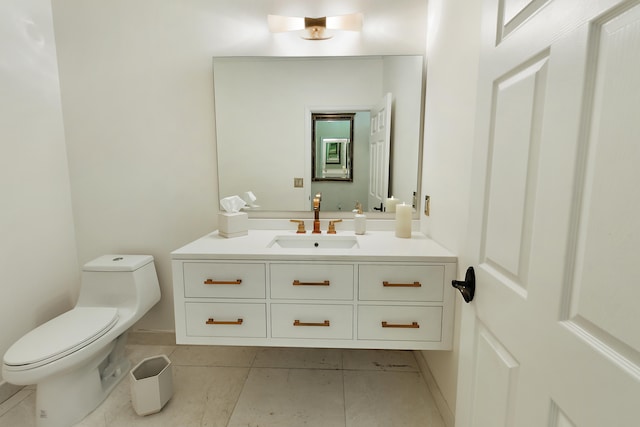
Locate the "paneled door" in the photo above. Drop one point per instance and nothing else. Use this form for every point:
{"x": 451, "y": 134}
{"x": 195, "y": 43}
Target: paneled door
{"x": 552, "y": 337}
{"x": 379, "y": 153}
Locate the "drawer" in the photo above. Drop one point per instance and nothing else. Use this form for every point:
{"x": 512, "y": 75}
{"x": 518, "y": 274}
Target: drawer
{"x": 226, "y": 319}
{"x": 399, "y": 323}
{"x": 312, "y": 321}
{"x": 312, "y": 281}
{"x": 398, "y": 282}
{"x": 224, "y": 280}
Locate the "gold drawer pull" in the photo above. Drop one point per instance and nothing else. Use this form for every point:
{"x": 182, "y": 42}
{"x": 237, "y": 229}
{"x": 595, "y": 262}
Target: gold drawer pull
{"x": 224, "y": 322}
{"x": 413, "y": 325}
{"x": 299, "y": 283}
{"x": 401, "y": 285}
{"x": 299, "y": 323}
{"x": 222, "y": 282}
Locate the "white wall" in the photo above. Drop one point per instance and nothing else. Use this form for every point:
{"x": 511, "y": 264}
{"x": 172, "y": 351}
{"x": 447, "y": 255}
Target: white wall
{"x": 137, "y": 95}
{"x": 399, "y": 79}
{"x": 39, "y": 273}
{"x": 452, "y": 52}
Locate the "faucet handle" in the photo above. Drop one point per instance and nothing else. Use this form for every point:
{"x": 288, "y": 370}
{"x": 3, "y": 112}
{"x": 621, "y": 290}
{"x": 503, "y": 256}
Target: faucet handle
{"x": 332, "y": 226}
{"x": 300, "y": 222}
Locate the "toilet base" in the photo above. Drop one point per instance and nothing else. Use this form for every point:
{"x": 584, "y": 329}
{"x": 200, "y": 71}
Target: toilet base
{"x": 66, "y": 399}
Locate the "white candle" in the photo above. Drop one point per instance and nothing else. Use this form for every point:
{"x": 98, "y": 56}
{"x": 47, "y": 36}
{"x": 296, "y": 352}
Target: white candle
{"x": 391, "y": 204}
{"x": 403, "y": 220}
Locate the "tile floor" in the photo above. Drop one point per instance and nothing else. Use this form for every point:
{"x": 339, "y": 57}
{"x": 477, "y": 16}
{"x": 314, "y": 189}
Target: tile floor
{"x": 251, "y": 387}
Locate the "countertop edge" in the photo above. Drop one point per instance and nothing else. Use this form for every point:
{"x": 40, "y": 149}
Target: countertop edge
{"x": 374, "y": 246}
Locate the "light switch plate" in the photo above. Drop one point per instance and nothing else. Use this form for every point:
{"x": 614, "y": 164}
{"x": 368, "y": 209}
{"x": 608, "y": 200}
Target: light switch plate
{"x": 298, "y": 182}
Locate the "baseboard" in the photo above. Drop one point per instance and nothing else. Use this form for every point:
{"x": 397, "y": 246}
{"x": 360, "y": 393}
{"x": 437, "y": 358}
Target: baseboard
{"x": 7, "y": 390}
{"x": 447, "y": 416}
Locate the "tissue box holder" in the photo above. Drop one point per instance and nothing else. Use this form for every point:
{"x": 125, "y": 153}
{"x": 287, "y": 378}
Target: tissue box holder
{"x": 233, "y": 224}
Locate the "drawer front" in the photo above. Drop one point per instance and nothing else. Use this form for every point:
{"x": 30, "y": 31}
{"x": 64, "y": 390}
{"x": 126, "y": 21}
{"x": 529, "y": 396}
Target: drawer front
{"x": 312, "y": 281}
{"x": 312, "y": 321}
{"x": 226, "y": 320}
{"x": 399, "y": 323}
{"x": 390, "y": 282}
{"x": 224, "y": 280}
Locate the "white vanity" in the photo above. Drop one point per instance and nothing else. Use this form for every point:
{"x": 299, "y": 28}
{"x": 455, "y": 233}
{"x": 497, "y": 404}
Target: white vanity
{"x": 278, "y": 288}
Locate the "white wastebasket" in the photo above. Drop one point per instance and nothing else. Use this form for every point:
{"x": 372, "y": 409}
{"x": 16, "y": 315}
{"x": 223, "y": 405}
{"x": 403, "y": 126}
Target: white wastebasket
{"x": 151, "y": 384}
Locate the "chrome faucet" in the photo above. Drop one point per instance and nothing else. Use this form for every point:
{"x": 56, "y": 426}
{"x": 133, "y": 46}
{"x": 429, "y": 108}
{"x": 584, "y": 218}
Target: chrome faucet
{"x": 316, "y": 213}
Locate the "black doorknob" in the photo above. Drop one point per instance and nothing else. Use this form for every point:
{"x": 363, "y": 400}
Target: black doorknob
{"x": 468, "y": 287}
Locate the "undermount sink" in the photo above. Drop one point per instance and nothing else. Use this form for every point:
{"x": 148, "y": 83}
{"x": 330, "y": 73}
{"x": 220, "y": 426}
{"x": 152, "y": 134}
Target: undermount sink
{"x": 314, "y": 241}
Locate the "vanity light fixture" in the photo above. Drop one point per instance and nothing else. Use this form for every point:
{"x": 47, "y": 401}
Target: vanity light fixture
{"x": 314, "y": 28}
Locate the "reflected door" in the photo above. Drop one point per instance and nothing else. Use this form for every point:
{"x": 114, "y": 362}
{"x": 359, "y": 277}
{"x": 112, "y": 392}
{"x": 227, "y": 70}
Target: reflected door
{"x": 553, "y": 335}
{"x": 379, "y": 149}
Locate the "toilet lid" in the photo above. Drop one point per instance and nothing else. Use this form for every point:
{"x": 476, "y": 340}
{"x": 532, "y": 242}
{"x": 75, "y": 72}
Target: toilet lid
{"x": 61, "y": 336}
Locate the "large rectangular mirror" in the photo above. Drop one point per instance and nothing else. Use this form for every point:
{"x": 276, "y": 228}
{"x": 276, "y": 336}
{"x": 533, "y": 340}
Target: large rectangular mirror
{"x": 264, "y": 108}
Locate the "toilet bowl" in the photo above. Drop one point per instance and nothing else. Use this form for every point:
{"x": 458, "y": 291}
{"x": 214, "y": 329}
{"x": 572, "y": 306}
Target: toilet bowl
{"x": 77, "y": 358}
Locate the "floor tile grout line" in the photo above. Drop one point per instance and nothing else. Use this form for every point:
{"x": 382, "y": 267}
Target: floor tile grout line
{"x": 344, "y": 392}
{"x": 25, "y": 391}
{"x": 307, "y": 368}
{"x": 235, "y": 405}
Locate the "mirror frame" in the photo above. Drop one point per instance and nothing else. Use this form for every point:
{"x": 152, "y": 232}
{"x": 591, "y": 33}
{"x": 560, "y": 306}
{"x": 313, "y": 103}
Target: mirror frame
{"x": 315, "y": 118}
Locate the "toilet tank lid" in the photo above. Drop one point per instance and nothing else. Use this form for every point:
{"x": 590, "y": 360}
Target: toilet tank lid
{"x": 118, "y": 263}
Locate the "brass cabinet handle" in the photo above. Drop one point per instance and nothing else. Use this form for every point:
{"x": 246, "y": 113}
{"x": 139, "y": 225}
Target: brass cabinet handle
{"x": 299, "y": 323}
{"x": 413, "y": 325}
{"x": 222, "y": 282}
{"x": 223, "y": 322}
{"x": 299, "y": 283}
{"x": 401, "y": 285}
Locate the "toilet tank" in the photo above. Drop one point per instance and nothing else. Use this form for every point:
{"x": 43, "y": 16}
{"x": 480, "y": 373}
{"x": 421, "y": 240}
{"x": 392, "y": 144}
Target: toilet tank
{"x": 123, "y": 281}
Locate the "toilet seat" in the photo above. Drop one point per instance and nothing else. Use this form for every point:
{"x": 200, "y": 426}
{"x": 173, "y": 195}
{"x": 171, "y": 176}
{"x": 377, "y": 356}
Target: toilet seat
{"x": 60, "y": 337}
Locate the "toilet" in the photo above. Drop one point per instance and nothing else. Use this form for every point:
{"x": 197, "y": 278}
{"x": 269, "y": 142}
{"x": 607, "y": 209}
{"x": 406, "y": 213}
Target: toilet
{"x": 77, "y": 358}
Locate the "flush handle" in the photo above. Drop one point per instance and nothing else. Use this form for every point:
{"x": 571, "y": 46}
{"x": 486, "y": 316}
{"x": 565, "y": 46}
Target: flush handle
{"x": 467, "y": 287}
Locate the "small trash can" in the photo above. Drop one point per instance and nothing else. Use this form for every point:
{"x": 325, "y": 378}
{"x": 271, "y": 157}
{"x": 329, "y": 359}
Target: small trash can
{"x": 151, "y": 384}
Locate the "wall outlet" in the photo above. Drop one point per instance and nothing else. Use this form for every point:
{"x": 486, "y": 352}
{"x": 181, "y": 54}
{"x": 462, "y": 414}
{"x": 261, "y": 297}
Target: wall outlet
{"x": 298, "y": 182}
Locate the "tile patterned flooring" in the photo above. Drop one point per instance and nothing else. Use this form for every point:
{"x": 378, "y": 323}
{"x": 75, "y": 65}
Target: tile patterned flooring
{"x": 262, "y": 387}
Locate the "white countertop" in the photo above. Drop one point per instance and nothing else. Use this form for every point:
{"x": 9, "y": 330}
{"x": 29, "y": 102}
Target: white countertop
{"x": 373, "y": 246}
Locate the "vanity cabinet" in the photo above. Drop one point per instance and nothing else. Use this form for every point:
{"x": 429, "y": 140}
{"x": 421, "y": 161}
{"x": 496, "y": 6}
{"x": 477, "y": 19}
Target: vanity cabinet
{"x": 324, "y": 302}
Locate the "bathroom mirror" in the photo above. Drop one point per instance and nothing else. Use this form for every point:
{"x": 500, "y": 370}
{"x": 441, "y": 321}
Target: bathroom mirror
{"x": 264, "y": 110}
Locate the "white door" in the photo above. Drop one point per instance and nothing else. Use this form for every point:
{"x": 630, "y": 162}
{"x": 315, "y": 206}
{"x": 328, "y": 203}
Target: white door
{"x": 379, "y": 150}
{"x": 552, "y": 337}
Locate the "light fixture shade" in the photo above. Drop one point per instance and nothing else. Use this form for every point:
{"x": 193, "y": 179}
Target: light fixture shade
{"x": 278, "y": 24}
{"x": 315, "y": 27}
{"x": 351, "y": 22}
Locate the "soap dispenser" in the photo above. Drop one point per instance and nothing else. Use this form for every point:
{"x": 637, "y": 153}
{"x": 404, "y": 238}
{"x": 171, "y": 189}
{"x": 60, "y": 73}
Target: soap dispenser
{"x": 360, "y": 220}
